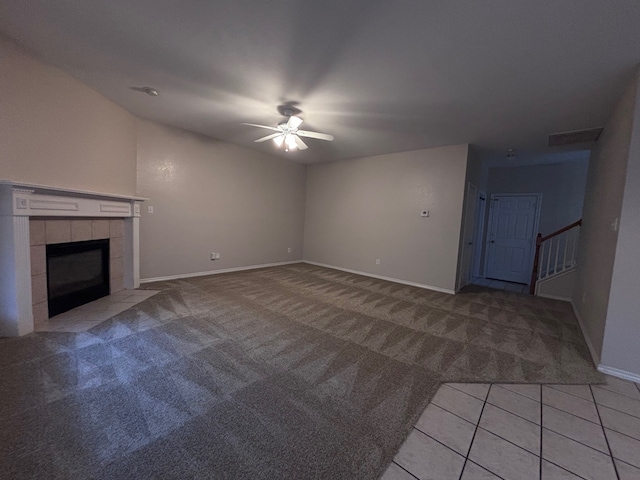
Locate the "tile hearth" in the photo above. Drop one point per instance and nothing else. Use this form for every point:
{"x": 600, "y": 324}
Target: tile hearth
{"x": 82, "y": 318}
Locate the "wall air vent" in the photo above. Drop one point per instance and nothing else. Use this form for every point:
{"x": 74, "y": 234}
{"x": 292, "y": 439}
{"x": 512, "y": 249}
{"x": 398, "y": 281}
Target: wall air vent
{"x": 577, "y": 136}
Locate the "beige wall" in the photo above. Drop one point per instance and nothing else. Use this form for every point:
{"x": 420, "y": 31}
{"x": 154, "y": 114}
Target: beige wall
{"x": 602, "y": 206}
{"x": 56, "y": 131}
{"x": 621, "y": 349}
{"x": 562, "y": 186}
{"x": 210, "y": 196}
{"x": 368, "y": 208}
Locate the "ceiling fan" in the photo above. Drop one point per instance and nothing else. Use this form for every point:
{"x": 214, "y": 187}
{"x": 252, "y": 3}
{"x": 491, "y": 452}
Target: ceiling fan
{"x": 287, "y": 133}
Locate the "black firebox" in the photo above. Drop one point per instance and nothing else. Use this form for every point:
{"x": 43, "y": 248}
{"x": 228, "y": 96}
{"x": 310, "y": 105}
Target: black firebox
{"x": 77, "y": 273}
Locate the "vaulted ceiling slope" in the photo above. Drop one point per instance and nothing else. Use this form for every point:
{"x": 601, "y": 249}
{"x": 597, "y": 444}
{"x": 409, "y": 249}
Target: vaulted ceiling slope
{"x": 382, "y": 76}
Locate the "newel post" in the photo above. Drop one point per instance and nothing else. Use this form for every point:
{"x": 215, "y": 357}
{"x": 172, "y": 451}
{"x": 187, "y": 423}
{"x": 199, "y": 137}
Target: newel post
{"x": 536, "y": 261}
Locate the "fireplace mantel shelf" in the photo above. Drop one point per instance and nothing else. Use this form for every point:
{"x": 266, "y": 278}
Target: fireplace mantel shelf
{"x": 71, "y": 192}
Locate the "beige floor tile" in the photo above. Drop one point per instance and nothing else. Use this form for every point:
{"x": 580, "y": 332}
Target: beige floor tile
{"x": 531, "y": 391}
{"x": 447, "y": 428}
{"x": 620, "y": 422}
{"x": 617, "y": 401}
{"x": 459, "y": 403}
{"x": 427, "y": 459}
{"x": 569, "y": 403}
{"x": 577, "y": 458}
{"x": 582, "y": 391}
{"x": 517, "y": 430}
{"x": 626, "y": 471}
{"x": 576, "y": 428}
{"x": 503, "y": 458}
{"x": 473, "y": 471}
{"x": 624, "y": 448}
{"x": 515, "y": 403}
{"x": 394, "y": 472}
{"x": 553, "y": 472}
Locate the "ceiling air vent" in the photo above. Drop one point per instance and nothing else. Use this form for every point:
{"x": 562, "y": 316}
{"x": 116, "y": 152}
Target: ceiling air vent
{"x": 576, "y": 136}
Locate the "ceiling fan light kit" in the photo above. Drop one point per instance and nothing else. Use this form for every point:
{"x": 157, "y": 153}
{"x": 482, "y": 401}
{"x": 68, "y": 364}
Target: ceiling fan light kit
{"x": 287, "y": 133}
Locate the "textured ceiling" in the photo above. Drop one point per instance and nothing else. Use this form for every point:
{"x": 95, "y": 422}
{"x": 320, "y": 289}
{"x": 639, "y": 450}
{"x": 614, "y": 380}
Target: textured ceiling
{"x": 381, "y": 76}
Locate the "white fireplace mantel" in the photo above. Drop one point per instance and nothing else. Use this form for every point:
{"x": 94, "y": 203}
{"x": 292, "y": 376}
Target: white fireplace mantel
{"x": 18, "y": 202}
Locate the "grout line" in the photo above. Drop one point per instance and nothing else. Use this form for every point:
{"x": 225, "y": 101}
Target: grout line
{"x": 552, "y": 387}
{"x": 466, "y": 459}
{"x": 572, "y": 414}
{"x": 541, "y": 427}
{"x": 623, "y": 434}
{"x": 574, "y": 440}
{"x": 486, "y": 469}
{"x": 604, "y": 387}
{"x": 509, "y": 411}
{"x": 606, "y": 439}
{"x": 444, "y": 409}
{"x": 481, "y": 399}
{"x": 616, "y": 410}
{"x": 563, "y": 468}
{"x": 438, "y": 441}
{"x": 455, "y": 414}
{"x": 508, "y": 441}
{"x": 511, "y": 391}
{"x": 404, "y": 469}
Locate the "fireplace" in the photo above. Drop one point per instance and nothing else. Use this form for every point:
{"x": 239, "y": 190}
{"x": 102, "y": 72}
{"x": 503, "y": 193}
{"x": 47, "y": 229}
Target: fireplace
{"x": 77, "y": 273}
{"x": 32, "y": 217}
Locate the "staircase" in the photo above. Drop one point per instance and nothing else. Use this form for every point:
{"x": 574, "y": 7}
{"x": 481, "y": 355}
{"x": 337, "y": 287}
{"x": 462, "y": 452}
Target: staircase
{"x": 556, "y": 256}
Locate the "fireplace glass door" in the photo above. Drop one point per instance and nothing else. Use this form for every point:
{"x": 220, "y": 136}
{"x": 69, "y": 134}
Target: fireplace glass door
{"x": 77, "y": 273}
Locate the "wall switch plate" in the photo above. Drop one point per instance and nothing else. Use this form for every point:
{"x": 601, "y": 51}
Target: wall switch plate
{"x": 217, "y": 256}
{"x": 424, "y": 213}
{"x": 150, "y": 209}
{"x": 377, "y": 261}
{"x": 212, "y": 256}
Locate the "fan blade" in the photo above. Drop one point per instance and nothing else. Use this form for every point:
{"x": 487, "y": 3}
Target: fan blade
{"x": 263, "y": 126}
{"x": 300, "y": 143}
{"x": 268, "y": 137}
{"x": 319, "y": 136}
{"x": 294, "y": 122}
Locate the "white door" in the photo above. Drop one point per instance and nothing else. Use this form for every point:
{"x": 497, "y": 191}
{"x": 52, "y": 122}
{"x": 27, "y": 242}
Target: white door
{"x": 468, "y": 235}
{"x": 510, "y": 237}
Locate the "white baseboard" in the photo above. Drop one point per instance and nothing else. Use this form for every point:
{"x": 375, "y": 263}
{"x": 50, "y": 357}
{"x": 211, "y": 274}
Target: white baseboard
{"x": 594, "y": 356}
{"x": 616, "y": 372}
{"x": 215, "y": 272}
{"x": 554, "y": 297}
{"x": 381, "y": 277}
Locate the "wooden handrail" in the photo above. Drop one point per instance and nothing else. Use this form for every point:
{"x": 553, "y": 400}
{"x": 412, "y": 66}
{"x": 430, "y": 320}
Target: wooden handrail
{"x": 562, "y": 230}
{"x": 536, "y": 258}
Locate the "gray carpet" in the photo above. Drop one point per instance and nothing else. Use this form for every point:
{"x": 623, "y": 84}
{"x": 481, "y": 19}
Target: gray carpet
{"x": 287, "y": 372}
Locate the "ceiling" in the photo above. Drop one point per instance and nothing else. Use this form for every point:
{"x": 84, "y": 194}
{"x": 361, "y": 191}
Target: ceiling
{"x": 381, "y": 76}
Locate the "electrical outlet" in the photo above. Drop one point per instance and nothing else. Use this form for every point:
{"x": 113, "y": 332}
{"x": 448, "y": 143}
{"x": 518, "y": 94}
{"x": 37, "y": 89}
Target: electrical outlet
{"x": 217, "y": 256}
{"x": 150, "y": 209}
{"x": 377, "y": 261}
{"x": 289, "y": 250}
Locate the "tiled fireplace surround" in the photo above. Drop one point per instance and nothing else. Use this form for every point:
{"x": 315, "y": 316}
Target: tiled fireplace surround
{"x": 43, "y": 232}
{"x": 32, "y": 216}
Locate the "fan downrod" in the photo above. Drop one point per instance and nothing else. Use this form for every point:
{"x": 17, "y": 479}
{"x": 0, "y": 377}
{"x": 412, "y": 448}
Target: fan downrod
{"x": 288, "y": 110}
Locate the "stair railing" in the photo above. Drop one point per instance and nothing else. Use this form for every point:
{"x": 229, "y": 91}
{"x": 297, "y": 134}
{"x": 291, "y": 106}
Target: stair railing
{"x": 555, "y": 253}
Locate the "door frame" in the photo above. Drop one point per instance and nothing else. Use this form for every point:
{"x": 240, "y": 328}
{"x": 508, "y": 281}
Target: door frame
{"x": 536, "y": 227}
{"x": 481, "y": 213}
{"x": 467, "y": 198}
